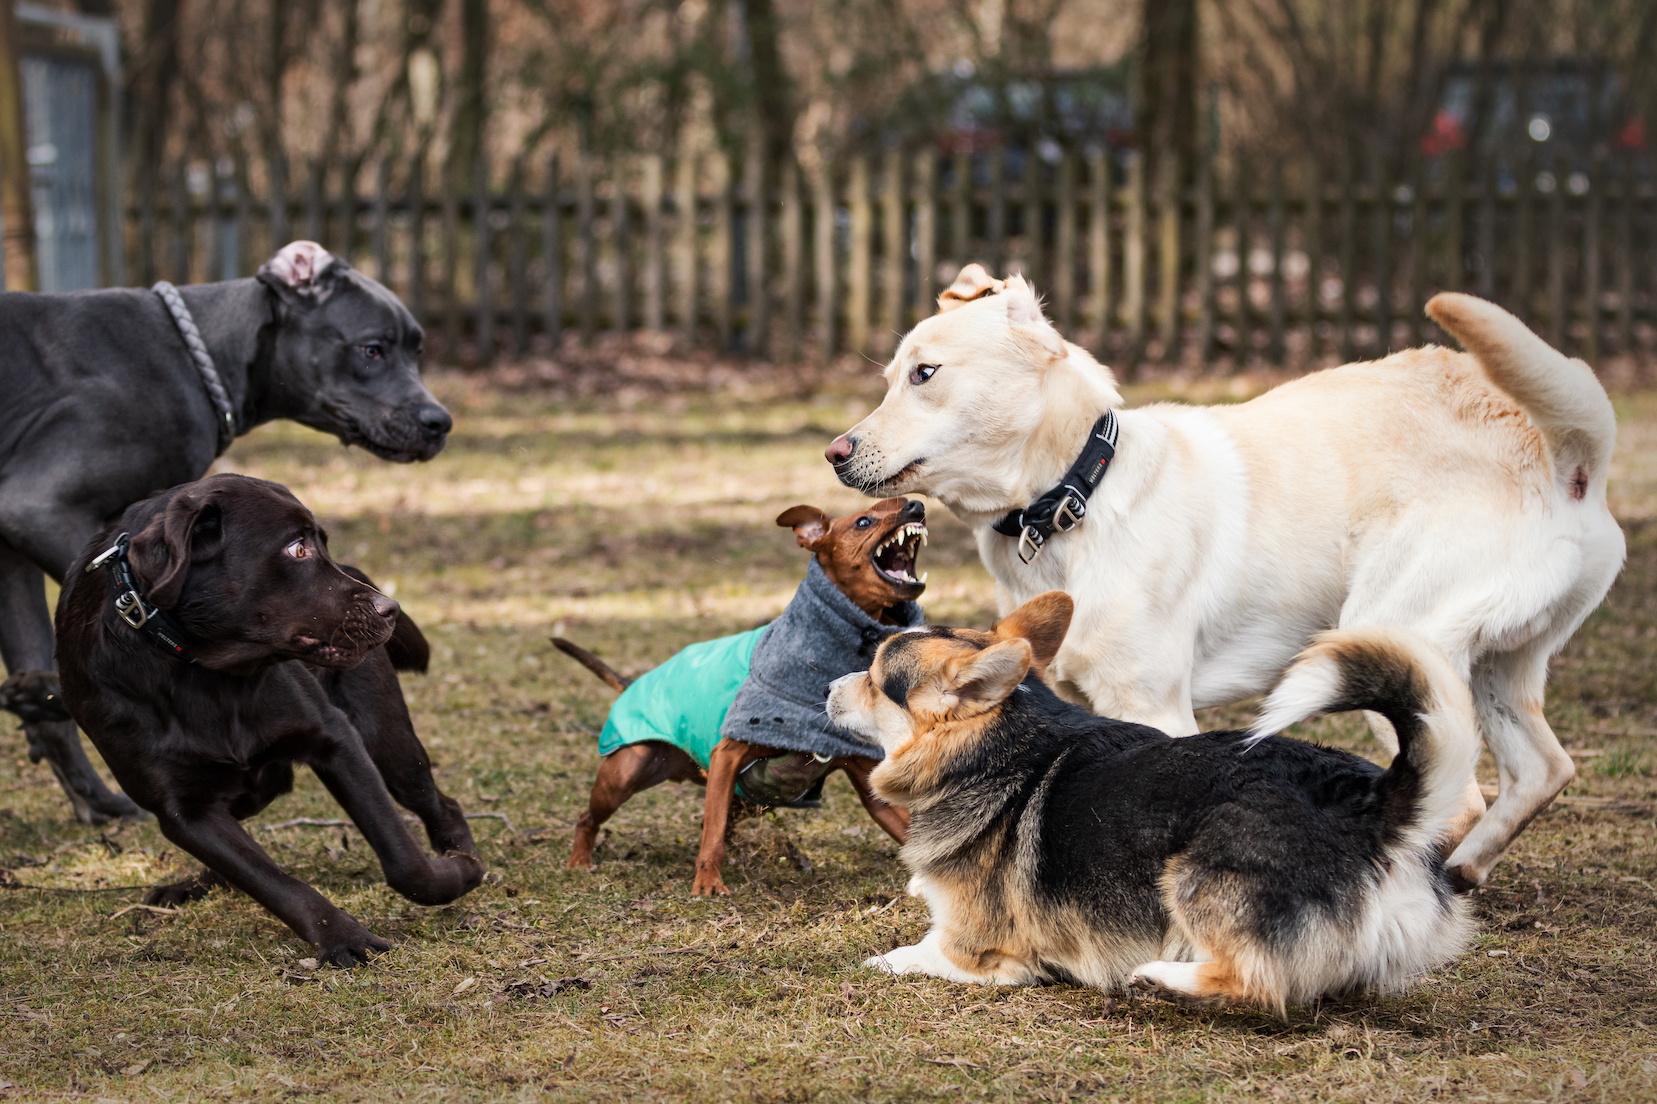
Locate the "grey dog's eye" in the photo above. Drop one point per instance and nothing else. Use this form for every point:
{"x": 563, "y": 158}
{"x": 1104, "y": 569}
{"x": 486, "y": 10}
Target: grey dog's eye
{"x": 921, "y": 373}
{"x": 373, "y": 350}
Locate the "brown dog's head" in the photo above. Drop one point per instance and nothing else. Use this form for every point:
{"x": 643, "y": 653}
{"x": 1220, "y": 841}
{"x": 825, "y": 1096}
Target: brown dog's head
{"x": 869, "y": 555}
{"x": 243, "y": 569}
{"x": 947, "y": 683}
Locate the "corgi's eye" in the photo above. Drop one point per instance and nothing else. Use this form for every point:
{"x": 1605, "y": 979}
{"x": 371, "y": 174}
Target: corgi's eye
{"x": 299, "y": 549}
{"x": 864, "y": 523}
{"x": 921, "y": 373}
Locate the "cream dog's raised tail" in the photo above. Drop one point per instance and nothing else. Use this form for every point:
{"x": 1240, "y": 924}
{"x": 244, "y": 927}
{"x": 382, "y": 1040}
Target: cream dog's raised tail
{"x": 1560, "y": 394}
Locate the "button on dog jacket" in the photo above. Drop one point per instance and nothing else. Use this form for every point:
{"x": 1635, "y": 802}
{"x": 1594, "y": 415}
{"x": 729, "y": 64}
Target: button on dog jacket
{"x": 767, "y": 686}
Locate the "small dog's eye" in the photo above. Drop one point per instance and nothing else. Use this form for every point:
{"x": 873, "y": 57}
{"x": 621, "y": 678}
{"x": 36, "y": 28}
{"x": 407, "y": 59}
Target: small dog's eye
{"x": 373, "y": 350}
{"x": 921, "y": 373}
{"x": 864, "y": 523}
{"x": 299, "y": 549}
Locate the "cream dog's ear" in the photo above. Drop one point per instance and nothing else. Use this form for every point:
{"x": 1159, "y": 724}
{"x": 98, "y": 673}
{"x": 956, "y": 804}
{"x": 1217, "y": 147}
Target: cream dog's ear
{"x": 1024, "y": 315}
{"x": 973, "y": 282}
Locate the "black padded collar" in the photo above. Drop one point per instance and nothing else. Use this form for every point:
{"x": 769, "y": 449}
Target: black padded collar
{"x": 1062, "y": 508}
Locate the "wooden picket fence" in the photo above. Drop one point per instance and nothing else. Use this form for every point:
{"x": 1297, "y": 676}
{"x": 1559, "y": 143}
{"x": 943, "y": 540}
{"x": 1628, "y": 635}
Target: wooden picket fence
{"x": 1282, "y": 263}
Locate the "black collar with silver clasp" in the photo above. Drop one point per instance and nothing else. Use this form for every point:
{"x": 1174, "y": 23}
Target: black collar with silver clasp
{"x": 1062, "y": 508}
{"x": 152, "y": 623}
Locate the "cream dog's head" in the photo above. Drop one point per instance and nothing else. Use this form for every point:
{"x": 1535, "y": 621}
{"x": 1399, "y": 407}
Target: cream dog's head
{"x": 977, "y": 395}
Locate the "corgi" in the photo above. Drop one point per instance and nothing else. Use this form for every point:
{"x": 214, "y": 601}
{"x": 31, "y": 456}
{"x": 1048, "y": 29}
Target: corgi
{"x": 1054, "y": 845}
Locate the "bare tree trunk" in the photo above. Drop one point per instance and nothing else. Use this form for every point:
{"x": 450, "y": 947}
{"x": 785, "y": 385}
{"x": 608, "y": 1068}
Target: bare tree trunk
{"x": 471, "y": 109}
{"x": 1168, "y": 81}
{"x": 16, "y": 211}
{"x": 773, "y": 91}
{"x": 151, "y": 92}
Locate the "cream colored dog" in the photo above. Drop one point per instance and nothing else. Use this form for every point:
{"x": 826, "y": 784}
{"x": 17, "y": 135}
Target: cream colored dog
{"x": 1460, "y": 496}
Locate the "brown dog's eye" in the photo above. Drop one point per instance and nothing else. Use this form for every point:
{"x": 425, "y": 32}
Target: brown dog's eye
{"x": 299, "y": 549}
{"x": 921, "y": 373}
{"x": 864, "y": 523}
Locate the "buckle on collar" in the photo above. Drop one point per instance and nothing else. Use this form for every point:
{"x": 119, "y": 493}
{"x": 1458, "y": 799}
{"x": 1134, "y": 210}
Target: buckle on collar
{"x": 1030, "y": 544}
{"x": 131, "y": 609}
{"x": 1070, "y": 511}
{"x": 101, "y": 560}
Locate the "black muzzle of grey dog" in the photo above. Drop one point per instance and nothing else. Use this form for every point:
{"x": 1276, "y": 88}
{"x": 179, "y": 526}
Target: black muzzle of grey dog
{"x": 150, "y": 623}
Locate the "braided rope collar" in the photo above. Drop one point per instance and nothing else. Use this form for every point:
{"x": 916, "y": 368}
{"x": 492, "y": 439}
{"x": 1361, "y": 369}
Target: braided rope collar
{"x": 203, "y": 361}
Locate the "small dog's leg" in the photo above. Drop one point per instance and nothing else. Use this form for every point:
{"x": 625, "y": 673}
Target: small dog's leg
{"x": 1200, "y": 983}
{"x": 728, "y": 759}
{"x": 928, "y": 957}
{"x": 626, "y": 771}
{"x": 893, "y": 818}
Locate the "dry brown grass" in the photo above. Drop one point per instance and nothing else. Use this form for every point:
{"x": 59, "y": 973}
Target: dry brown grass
{"x": 636, "y": 525}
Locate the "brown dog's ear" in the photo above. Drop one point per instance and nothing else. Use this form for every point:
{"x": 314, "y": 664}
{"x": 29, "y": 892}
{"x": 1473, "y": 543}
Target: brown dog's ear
{"x": 974, "y": 282}
{"x": 1042, "y": 621}
{"x": 989, "y": 676}
{"x": 161, "y": 551}
{"x": 810, "y": 524}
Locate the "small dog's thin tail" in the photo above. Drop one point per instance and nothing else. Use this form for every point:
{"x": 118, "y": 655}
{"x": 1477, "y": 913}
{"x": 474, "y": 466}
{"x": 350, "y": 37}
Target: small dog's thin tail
{"x": 604, "y": 671}
{"x": 1412, "y": 684}
{"x": 1562, "y": 396}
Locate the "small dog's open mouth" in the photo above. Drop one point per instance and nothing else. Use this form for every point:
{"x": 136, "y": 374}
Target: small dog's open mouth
{"x": 895, "y": 557}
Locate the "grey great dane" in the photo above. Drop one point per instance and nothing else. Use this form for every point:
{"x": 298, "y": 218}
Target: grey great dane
{"x": 106, "y": 407}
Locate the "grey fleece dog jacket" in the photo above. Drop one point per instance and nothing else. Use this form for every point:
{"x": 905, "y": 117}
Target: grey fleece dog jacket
{"x": 820, "y": 636}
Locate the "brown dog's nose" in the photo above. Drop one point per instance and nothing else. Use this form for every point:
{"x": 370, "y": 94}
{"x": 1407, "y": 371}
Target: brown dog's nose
{"x": 840, "y": 450}
{"x": 382, "y": 605}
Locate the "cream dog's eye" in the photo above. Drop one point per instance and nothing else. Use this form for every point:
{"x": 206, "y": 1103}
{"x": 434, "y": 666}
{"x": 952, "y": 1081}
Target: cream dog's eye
{"x": 921, "y": 373}
{"x": 299, "y": 549}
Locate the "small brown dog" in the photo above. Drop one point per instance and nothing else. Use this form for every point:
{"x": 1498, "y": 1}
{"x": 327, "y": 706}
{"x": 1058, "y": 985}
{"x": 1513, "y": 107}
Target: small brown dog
{"x": 761, "y": 694}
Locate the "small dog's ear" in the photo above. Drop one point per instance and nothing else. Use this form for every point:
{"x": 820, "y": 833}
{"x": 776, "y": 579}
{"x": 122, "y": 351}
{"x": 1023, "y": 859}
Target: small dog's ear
{"x": 973, "y": 282}
{"x": 302, "y": 272}
{"x": 990, "y": 675}
{"x": 1042, "y": 621}
{"x": 1024, "y": 315}
{"x": 810, "y": 524}
{"x": 162, "y": 550}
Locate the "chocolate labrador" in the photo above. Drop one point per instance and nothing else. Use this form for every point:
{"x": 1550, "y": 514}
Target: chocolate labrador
{"x": 207, "y": 642}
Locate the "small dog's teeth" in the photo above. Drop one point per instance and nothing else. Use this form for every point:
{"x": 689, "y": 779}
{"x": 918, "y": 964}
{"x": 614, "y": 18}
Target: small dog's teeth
{"x": 923, "y": 578}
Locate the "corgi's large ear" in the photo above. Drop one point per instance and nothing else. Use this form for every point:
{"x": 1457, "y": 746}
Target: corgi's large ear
{"x": 810, "y": 524}
{"x": 973, "y": 282}
{"x": 1042, "y": 621}
{"x": 1025, "y": 317}
{"x": 988, "y": 677}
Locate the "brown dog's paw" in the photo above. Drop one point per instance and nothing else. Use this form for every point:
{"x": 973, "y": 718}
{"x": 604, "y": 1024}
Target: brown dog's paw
{"x": 193, "y": 888}
{"x": 709, "y": 886}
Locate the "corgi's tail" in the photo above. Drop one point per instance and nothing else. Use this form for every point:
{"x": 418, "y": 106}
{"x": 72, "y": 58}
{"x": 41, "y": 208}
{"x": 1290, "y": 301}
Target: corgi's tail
{"x": 1562, "y": 396}
{"x": 597, "y": 666}
{"x": 1412, "y": 684}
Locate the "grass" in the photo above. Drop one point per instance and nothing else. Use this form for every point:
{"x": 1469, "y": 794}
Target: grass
{"x": 638, "y": 523}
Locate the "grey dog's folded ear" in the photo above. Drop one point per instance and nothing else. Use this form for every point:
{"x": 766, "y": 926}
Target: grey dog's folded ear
{"x": 162, "y": 550}
{"x": 302, "y": 273}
